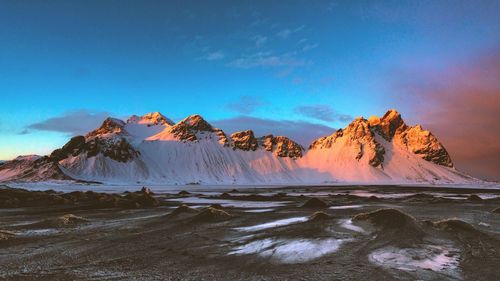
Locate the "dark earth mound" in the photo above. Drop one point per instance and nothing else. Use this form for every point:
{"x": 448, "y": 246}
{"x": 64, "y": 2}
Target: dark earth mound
{"x": 211, "y": 214}
{"x": 183, "y": 209}
{"x": 394, "y": 223}
{"x": 17, "y": 197}
{"x": 315, "y": 203}
{"x": 319, "y": 216}
{"x": 67, "y": 220}
{"x": 474, "y": 197}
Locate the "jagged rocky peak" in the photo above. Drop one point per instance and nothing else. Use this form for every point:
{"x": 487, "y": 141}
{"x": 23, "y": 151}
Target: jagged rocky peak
{"x": 389, "y": 125}
{"x": 425, "y": 145}
{"x": 359, "y": 128}
{"x": 359, "y": 137}
{"x": 416, "y": 140}
{"x": 152, "y": 118}
{"x": 110, "y": 126}
{"x": 188, "y": 129}
{"x": 244, "y": 140}
{"x": 196, "y": 122}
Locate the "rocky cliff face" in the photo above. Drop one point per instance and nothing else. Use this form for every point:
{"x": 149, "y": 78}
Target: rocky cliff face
{"x": 279, "y": 146}
{"x": 360, "y": 136}
{"x": 244, "y": 140}
{"x": 189, "y": 129}
{"x": 109, "y": 139}
{"x": 110, "y": 126}
{"x": 425, "y": 145}
{"x": 282, "y": 146}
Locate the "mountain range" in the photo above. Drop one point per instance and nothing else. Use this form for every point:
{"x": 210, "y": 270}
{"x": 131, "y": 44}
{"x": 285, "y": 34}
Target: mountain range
{"x": 152, "y": 149}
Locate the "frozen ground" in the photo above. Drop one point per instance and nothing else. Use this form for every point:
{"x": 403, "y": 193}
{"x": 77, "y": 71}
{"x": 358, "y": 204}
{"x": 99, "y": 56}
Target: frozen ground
{"x": 262, "y": 233}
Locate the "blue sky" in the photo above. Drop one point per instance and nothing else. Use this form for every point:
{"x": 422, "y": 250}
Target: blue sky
{"x": 319, "y": 62}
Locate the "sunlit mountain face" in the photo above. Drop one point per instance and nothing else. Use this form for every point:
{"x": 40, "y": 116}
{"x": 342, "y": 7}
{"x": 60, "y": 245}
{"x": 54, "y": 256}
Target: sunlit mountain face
{"x": 151, "y": 149}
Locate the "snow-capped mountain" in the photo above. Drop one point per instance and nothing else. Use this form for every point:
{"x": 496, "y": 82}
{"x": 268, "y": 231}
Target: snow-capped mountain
{"x": 152, "y": 149}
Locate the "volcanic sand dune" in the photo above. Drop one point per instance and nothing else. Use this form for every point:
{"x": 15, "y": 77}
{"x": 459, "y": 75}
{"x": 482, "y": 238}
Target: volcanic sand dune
{"x": 405, "y": 234}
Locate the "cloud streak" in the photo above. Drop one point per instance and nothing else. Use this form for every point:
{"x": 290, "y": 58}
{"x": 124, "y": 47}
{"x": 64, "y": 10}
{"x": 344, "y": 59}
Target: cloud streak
{"x": 302, "y": 132}
{"x": 74, "y": 123}
{"x": 245, "y": 104}
{"x": 286, "y": 33}
{"x": 266, "y": 59}
{"x": 322, "y": 112}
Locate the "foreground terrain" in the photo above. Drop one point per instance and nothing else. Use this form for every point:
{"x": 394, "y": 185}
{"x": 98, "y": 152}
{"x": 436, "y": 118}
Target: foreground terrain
{"x": 289, "y": 233}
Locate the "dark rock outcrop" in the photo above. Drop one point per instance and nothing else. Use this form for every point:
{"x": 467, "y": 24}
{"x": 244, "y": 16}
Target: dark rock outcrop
{"x": 281, "y": 146}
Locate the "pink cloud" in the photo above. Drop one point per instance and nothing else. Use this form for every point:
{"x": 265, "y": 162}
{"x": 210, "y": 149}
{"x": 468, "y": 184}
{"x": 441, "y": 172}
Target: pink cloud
{"x": 461, "y": 106}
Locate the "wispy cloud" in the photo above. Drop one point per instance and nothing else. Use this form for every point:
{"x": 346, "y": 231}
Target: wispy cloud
{"x": 322, "y": 112}
{"x": 286, "y": 33}
{"x": 259, "y": 40}
{"x": 302, "y": 132}
{"x": 309, "y": 47}
{"x": 218, "y": 55}
{"x": 246, "y": 104}
{"x": 266, "y": 59}
{"x": 74, "y": 123}
{"x": 24, "y": 132}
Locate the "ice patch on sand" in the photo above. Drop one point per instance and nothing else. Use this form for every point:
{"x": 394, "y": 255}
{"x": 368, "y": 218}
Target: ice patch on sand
{"x": 259, "y": 210}
{"x": 347, "y": 224}
{"x": 289, "y": 250}
{"x": 440, "y": 259}
{"x": 230, "y": 203}
{"x": 272, "y": 224}
{"x": 346, "y": 207}
{"x": 38, "y": 232}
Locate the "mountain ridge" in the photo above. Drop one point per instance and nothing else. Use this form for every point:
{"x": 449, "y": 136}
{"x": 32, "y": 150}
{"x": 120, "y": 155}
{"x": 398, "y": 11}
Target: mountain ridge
{"x": 153, "y": 149}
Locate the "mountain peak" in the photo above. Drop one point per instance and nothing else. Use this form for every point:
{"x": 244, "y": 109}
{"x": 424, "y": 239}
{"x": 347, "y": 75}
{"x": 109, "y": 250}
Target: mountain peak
{"x": 196, "y": 122}
{"x": 390, "y": 124}
{"x": 109, "y": 126}
{"x": 152, "y": 118}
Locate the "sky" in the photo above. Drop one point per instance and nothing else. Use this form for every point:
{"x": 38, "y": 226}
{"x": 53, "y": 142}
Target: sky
{"x": 301, "y": 68}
